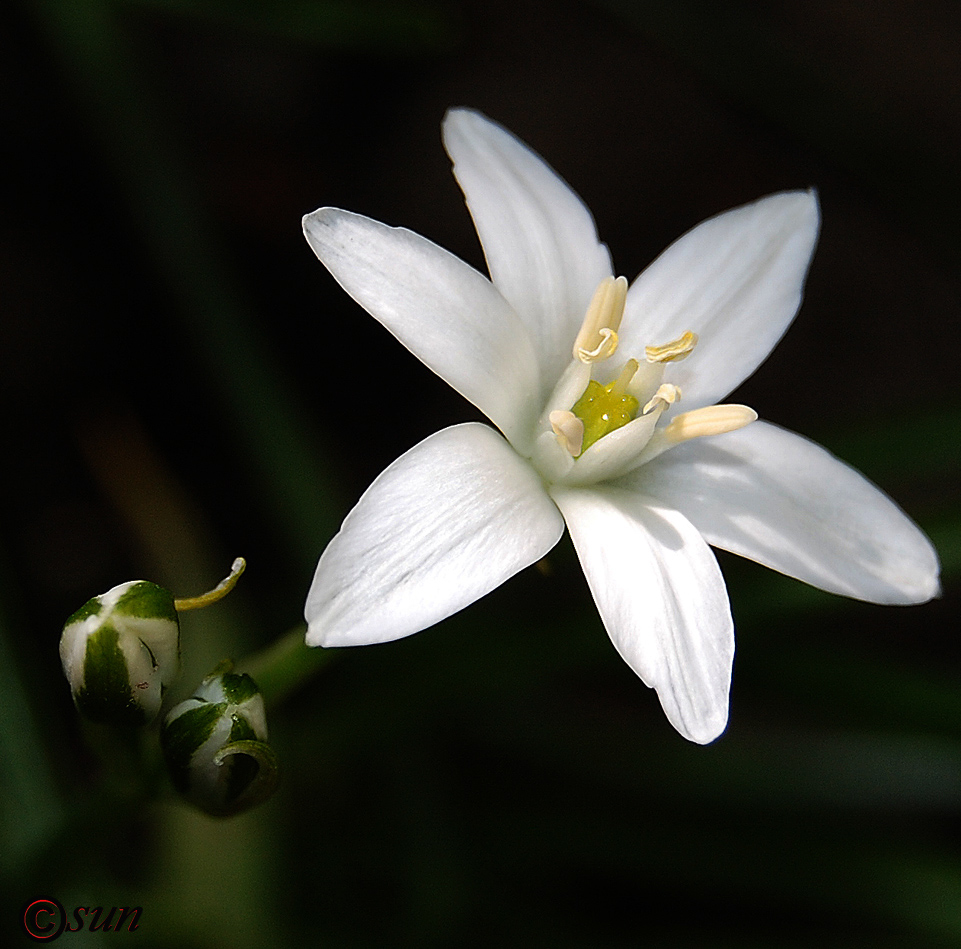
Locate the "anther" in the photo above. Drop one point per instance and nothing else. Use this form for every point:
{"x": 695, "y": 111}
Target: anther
{"x": 597, "y": 338}
{"x": 677, "y": 349}
{"x": 569, "y": 430}
{"x": 604, "y": 348}
{"x": 711, "y": 420}
{"x": 666, "y": 395}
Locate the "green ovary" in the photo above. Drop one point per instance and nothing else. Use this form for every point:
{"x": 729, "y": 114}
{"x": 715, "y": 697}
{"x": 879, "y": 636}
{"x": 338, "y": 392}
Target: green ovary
{"x": 603, "y": 410}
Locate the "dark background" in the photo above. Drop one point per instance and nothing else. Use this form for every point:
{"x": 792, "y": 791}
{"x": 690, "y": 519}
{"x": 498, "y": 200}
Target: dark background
{"x": 182, "y": 382}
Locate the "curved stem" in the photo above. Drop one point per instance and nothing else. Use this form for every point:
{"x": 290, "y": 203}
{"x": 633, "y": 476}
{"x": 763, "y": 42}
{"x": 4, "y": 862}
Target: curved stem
{"x": 217, "y": 593}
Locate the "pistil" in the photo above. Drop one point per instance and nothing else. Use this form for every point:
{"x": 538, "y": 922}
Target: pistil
{"x": 619, "y": 386}
{"x": 603, "y": 409}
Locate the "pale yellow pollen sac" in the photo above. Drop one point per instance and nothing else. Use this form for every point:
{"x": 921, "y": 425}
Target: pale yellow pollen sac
{"x": 569, "y": 430}
{"x": 604, "y": 348}
{"x": 597, "y": 338}
{"x": 677, "y": 349}
{"x": 666, "y": 395}
{"x": 711, "y": 420}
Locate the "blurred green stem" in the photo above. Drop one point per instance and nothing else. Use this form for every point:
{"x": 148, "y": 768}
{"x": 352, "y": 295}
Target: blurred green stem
{"x": 132, "y": 770}
{"x": 285, "y": 665}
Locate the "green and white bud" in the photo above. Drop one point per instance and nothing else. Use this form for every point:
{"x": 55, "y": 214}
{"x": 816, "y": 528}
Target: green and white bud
{"x": 215, "y": 745}
{"x": 120, "y": 651}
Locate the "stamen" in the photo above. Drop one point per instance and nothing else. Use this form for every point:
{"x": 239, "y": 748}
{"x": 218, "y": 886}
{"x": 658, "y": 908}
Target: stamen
{"x": 597, "y": 338}
{"x": 711, "y": 420}
{"x": 677, "y": 349}
{"x": 569, "y": 430}
{"x": 666, "y": 395}
{"x": 605, "y": 347}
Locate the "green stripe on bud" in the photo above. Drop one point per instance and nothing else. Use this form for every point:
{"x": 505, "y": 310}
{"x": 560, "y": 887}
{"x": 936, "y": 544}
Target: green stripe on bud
{"x": 120, "y": 651}
{"x": 215, "y": 745}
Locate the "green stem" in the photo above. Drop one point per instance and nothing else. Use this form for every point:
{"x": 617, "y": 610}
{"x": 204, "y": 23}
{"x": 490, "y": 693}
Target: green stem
{"x": 285, "y": 665}
{"x": 132, "y": 769}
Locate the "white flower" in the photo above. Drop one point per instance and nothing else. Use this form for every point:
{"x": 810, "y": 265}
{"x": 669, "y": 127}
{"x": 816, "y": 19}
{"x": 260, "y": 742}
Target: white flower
{"x": 642, "y": 493}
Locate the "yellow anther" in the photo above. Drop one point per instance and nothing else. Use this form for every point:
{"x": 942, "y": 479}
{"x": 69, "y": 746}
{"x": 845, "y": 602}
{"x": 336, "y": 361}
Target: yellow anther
{"x": 711, "y": 420}
{"x": 670, "y": 352}
{"x": 666, "y": 395}
{"x": 569, "y": 430}
{"x": 597, "y": 338}
{"x": 604, "y": 348}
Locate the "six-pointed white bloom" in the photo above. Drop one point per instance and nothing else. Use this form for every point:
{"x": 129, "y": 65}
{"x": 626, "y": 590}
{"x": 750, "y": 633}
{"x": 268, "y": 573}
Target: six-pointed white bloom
{"x": 606, "y": 398}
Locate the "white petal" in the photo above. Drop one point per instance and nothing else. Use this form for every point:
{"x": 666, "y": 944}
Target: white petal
{"x": 735, "y": 280}
{"x": 538, "y": 236}
{"x": 777, "y": 498}
{"x": 447, "y": 522}
{"x": 445, "y": 312}
{"x": 662, "y": 599}
{"x": 613, "y": 454}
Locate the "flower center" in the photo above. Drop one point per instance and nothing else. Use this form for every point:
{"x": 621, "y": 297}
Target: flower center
{"x": 603, "y": 409}
{"x": 623, "y": 413}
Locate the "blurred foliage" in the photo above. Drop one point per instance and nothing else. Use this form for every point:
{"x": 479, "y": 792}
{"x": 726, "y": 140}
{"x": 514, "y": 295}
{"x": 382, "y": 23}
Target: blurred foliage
{"x": 180, "y": 384}
{"x": 382, "y": 25}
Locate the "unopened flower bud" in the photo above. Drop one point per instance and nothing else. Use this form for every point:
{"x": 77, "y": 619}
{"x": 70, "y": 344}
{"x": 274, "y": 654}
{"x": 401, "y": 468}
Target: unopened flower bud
{"x": 120, "y": 651}
{"x": 215, "y": 745}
